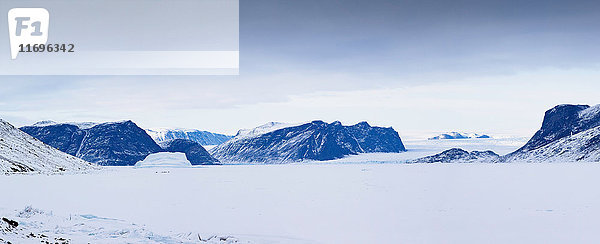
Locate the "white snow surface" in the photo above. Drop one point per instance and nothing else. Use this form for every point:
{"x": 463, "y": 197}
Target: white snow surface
{"x": 164, "y": 159}
{"x": 319, "y": 203}
{"x": 18, "y": 150}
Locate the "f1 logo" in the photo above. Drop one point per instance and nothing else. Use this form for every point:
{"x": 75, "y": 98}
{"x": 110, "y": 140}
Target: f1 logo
{"x": 27, "y": 26}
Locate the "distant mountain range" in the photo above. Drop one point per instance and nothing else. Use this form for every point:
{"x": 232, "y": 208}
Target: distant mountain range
{"x": 108, "y": 144}
{"x": 280, "y": 143}
{"x": 456, "y": 135}
{"x": 19, "y": 152}
{"x": 569, "y": 133}
{"x": 203, "y": 137}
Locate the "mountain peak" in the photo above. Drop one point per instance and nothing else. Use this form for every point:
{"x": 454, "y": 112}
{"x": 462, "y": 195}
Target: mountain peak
{"x": 363, "y": 124}
{"x": 336, "y": 123}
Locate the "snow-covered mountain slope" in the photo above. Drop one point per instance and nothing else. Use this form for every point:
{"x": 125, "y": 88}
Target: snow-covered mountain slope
{"x": 113, "y": 143}
{"x": 580, "y": 147}
{"x": 194, "y": 152}
{"x": 312, "y": 141}
{"x": 457, "y": 155}
{"x": 568, "y": 133}
{"x": 19, "y": 152}
{"x": 562, "y": 121}
{"x": 457, "y": 135}
{"x": 203, "y": 137}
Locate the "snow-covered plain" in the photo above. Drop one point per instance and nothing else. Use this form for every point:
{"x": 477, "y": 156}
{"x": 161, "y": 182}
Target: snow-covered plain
{"x": 333, "y": 203}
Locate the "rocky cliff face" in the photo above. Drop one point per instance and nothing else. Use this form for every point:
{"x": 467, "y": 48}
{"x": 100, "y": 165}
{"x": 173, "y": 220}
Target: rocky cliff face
{"x": 568, "y": 133}
{"x": 562, "y": 121}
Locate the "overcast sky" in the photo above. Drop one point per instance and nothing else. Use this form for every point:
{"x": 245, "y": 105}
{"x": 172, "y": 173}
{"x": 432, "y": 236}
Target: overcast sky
{"x": 419, "y": 66}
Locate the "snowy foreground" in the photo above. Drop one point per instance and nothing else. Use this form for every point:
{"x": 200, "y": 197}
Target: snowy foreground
{"x": 314, "y": 203}
{"x": 32, "y": 225}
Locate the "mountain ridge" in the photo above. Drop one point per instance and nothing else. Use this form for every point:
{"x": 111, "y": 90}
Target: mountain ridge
{"x": 316, "y": 140}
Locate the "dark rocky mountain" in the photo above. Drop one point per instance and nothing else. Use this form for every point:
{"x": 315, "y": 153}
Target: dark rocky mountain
{"x": 107, "y": 144}
{"x": 457, "y": 155}
{"x": 194, "y": 152}
{"x": 568, "y": 133}
{"x": 312, "y": 141}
